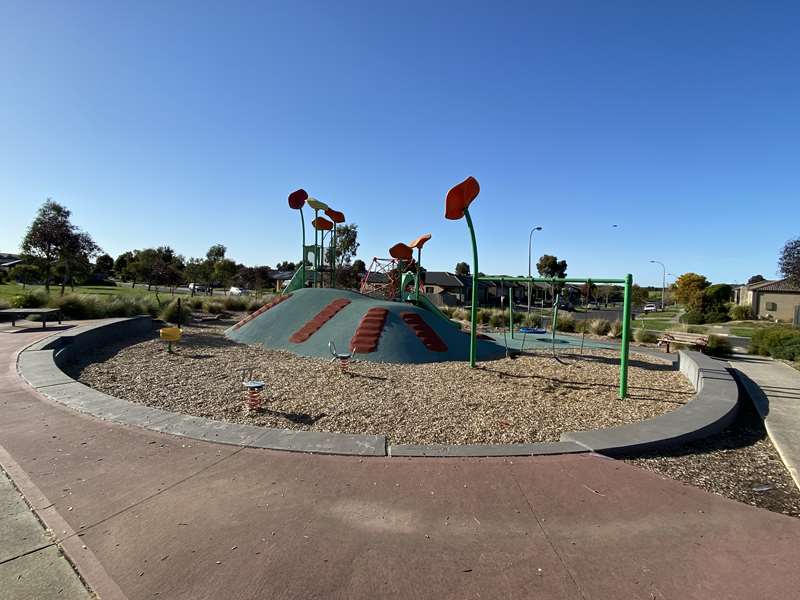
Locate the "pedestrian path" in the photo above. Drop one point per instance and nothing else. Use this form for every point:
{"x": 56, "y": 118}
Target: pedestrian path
{"x": 775, "y": 389}
{"x": 167, "y": 517}
{"x": 31, "y": 566}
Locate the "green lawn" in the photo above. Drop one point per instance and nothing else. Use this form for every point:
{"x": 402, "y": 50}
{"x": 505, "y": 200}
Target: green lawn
{"x": 7, "y": 290}
{"x": 656, "y": 324}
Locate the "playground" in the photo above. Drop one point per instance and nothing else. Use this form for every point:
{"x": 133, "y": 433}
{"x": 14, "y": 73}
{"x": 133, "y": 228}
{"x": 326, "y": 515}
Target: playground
{"x": 531, "y": 399}
{"x": 384, "y": 360}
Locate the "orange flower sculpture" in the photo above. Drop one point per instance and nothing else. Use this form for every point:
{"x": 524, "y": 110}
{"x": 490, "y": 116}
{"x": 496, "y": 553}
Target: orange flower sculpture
{"x": 420, "y": 241}
{"x": 460, "y": 197}
{"x": 335, "y": 215}
{"x": 322, "y": 224}
{"x": 297, "y": 199}
{"x": 401, "y": 252}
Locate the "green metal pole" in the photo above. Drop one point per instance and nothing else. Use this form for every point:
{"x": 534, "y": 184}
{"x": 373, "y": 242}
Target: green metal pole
{"x": 473, "y": 318}
{"x": 333, "y": 255}
{"x": 316, "y": 247}
{"x": 626, "y": 337}
{"x": 554, "y": 324}
{"x": 419, "y": 264}
{"x": 510, "y": 314}
{"x": 303, "y": 253}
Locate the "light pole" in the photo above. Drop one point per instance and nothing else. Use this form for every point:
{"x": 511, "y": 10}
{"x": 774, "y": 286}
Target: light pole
{"x": 530, "y": 241}
{"x": 663, "y": 280}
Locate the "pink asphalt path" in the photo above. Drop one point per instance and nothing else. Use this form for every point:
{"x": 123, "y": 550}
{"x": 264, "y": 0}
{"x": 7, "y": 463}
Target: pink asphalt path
{"x": 167, "y": 517}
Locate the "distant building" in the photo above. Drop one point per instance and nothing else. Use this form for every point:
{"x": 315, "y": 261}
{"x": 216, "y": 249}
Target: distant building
{"x": 9, "y": 260}
{"x": 777, "y": 300}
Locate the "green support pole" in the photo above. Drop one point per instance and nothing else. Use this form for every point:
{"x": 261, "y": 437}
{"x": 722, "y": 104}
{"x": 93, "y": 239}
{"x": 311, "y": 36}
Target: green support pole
{"x": 626, "y": 337}
{"x": 473, "y": 318}
{"x": 303, "y": 252}
{"x": 419, "y": 264}
{"x": 510, "y": 314}
{"x": 316, "y": 248}
{"x": 333, "y": 256}
{"x": 554, "y": 324}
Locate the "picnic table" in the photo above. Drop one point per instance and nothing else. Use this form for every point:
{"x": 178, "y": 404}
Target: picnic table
{"x": 20, "y": 313}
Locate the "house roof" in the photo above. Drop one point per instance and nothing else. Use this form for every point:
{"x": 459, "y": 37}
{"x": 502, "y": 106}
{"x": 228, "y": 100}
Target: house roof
{"x": 443, "y": 279}
{"x": 781, "y": 285}
{"x": 759, "y": 284}
{"x": 9, "y": 260}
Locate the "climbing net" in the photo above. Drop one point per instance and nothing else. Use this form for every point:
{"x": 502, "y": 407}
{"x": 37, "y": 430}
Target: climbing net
{"x": 382, "y": 279}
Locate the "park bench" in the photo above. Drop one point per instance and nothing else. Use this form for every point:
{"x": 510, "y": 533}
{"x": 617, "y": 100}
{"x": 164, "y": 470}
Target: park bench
{"x": 21, "y": 313}
{"x": 697, "y": 340}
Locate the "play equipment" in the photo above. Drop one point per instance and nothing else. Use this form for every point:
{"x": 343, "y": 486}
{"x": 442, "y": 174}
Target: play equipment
{"x": 254, "y": 388}
{"x": 342, "y": 357}
{"x": 314, "y": 254}
{"x": 172, "y": 334}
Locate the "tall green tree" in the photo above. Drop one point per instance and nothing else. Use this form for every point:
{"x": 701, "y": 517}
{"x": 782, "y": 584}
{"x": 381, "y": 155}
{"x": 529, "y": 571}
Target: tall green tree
{"x": 462, "y": 268}
{"x": 789, "y": 260}
{"x": 50, "y": 237}
{"x": 346, "y": 245}
{"x": 550, "y": 266}
{"x": 689, "y": 289}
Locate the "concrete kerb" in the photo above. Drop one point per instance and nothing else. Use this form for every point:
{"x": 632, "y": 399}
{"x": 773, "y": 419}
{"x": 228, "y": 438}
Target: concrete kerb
{"x": 712, "y": 409}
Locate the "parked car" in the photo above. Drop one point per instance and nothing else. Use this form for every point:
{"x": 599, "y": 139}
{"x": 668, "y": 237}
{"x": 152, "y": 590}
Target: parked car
{"x": 650, "y": 307}
{"x": 196, "y": 287}
{"x": 238, "y": 291}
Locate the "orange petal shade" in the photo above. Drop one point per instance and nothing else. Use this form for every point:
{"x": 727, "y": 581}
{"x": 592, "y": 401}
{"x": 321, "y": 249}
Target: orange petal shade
{"x": 420, "y": 241}
{"x": 401, "y": 252}
{"x": 335, "y": 215}
{"x": 460, "y": 197}
{"x": 322, "y": 224}
{"x": 297, "y": 199}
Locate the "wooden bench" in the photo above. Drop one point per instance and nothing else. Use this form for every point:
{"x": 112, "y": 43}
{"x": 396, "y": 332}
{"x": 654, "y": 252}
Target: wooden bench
{"x": 696, "y": 340}
{"x": 21, "y": 313}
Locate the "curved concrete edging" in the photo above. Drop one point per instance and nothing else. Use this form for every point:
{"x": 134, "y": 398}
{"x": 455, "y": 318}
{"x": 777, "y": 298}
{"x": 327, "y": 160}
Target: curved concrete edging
{"x": 712, "y": 409}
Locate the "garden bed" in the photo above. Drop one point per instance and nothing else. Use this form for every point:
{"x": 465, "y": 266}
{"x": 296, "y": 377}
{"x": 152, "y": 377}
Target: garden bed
{"x": 531, "y": 399}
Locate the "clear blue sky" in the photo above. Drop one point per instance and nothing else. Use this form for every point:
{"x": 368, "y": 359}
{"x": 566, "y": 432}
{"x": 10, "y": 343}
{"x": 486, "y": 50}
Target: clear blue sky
{"x": 189, "y": 123}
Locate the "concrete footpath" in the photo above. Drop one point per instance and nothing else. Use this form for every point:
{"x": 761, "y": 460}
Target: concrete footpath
{"x": 775, "y": 390}
{"x": 147, "y": 515}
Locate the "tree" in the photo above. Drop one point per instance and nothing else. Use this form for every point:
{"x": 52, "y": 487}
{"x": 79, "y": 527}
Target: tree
{"x": 689, "y": 289}
{"x": 550, "y": 266}
{"x": 197, "y": 271}
{"x": 755, "y": 279}
{"x": 48, "y": 236}
{"x": 216, "y": 252}
{"x": 789, "y": 261}
{"x": 359, "y": 266}
{"x": 75, "y": 258}
{"x": 121, "y": 265}
{"x": 286, "y": 266}
{"x": 346, "y": 245}
{"x": 25, "y": 273}
{"x": 104, "y": 265}
{"x": 639, "y": 295}
{"x": 462, "y": 268}
{"x": 224, "y": 271}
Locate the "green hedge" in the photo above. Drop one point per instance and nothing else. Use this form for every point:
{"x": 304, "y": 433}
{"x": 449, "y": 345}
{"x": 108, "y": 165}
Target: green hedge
{"x": 718, "y": 346}
{"x": 778, "y": 342}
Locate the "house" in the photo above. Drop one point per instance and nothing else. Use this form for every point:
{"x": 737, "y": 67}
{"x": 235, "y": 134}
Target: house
{"x": 443, "y": 288}
{"x": 7, "y": 261}
{"x": 777, "y": 300}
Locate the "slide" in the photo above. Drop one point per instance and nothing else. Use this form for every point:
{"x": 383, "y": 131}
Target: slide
{"x": 296, "y": 282}
{"x": 430, "y": 306}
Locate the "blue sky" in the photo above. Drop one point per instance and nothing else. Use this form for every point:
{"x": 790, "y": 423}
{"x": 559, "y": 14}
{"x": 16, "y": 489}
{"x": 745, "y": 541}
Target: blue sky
{"x": 189, "y": 123}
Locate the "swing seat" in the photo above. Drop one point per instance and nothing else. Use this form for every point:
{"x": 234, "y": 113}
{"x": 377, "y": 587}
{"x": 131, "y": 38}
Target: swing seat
{"x": 532, "y": 330}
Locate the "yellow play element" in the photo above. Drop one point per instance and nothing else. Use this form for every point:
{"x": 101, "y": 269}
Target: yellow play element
{"x": 170, "y": 335}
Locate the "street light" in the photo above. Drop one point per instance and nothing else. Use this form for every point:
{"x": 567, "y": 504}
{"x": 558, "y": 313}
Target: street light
{"x": 530, "y": 241}
{"x": 663, "y": 280}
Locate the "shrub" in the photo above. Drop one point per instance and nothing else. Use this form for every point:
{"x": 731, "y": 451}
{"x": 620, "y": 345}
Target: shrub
{"x": 565, "y": 323}
{"x": 235, "y": 303}
{"x": 616, "y": 329}
{"x": 778, "y": 342}
{"x": 716, "y": 316}
{"x": 718, "y": 346}
{"x": 447, "y": 312}
{"x": 173, "y": 314}
{"x": 740, "y": 313}
{"x": 29, "y": 299}
{"x": 693, "y": 329}
{"x": 214, "y": 307}
{"x": 482, "y": 316}
{"x": 195, "y": 302}
{"x": 254, "y": 305}
{"x": 643, "y": 336}
{"x": 693, "y": 317}
{"x": 531, "y": 320}
{"x": 600, "y": 326}
{"x": 80, "y": 306}
{"x": 496, "y": 320}
{"x": 583, "y": 325}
